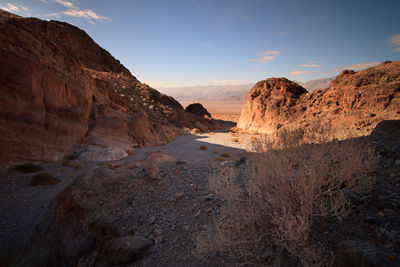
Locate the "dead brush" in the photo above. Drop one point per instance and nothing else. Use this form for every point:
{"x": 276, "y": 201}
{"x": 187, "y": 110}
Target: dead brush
{"x": 279, "y": 194}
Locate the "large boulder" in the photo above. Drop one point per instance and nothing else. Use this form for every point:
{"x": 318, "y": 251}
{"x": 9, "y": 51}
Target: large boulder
{"x": 198, "y": 109}
{"x": 270, "y": 103}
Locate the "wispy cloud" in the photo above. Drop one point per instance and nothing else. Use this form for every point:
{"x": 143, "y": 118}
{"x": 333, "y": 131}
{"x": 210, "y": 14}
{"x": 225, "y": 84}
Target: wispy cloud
{"x": 65, "y": 3}
{"x": 394, "y": 40}
{"x": 87, "y": 14}
{"x": 358, "y": 66}
{"x": 299, "y": 72}
{"x": 74, "y": 11}
{"x": 13, "y": 8}
{"x": 265, "y": 56}
{"x": 311, "y": 64}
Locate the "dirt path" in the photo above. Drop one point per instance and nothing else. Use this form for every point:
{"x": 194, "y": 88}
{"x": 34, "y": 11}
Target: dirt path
{"x": 22, "y": 205}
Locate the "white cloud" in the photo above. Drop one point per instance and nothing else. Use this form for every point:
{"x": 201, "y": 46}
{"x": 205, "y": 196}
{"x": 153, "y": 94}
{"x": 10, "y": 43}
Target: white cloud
{"x": 87, "y": 14}
{"x": 64, "y": 3}
{"x": 311, "y": 64}
{"x": 299, "y": 72}
{"x": 394, "y": 40}
{"x": 74, "y": 11}
{"x": 358, "y": 66}
{"x": 10, "y": 7}
{"x": 265, "y": 56}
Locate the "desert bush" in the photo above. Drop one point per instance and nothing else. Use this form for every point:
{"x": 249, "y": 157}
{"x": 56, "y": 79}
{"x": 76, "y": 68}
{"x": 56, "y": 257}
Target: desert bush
{"x": 275, "y": 198}
{"x": 130, "y": 152}
{"x": 225, "y": 155}
{"x": 28, "y": 168}
{"x": 44, "y": 178}
{"x": 203, "y": 147}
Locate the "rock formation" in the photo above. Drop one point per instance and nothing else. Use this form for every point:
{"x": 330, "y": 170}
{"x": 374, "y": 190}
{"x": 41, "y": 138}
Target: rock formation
{"x": 198, "y": 109}
{"x": 59, "y": 88}
{"x": 353, "y": 105}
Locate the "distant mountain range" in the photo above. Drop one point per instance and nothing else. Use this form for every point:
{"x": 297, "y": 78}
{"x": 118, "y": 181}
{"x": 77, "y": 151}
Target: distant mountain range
{"x": 229, "y": 92}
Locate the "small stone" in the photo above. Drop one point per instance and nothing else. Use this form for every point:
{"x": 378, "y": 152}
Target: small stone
{"x": 152, "y": 220}
{"x": 267, "y": 255}
{"x": 208, "y": 210}
{"x": 125, "y": 249}
{"x": 209, "y": 197}
{"x": 157, "y": 232}
{"x": 181, "y": 162}
{"x": 397, "y": 162}
{"x": 179, "y": 196}
{"x": 389, "y": 212}
{"x": 381, "y": 214}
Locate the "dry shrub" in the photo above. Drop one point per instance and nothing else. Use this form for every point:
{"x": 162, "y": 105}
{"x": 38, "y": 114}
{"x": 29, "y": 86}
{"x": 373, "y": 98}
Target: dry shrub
{"x": 225, "y": 155}
{"x": 235, "y": 140}
{"x": 203, "y": 147}
{"x": 220, "y": 159}
{"x": 28, "y": 168}
{"x": 130, "y": 152}
{"x": 44, "y": 178}
{"x": 273, "y": 201}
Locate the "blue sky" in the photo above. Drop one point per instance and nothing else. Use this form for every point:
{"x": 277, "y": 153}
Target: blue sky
{"x": 168, "y": 43}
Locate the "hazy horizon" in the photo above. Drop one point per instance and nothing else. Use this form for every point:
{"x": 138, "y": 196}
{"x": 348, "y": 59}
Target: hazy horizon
{"x": 191, "y": 43}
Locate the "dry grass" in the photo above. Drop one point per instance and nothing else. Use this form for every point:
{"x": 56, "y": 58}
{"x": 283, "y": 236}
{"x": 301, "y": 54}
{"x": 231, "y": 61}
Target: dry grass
{"x": 44, "y": 178}
{"x": 203, "y": 147}
{"x": 28, "y": 168}
{"x": 274, "y": 200}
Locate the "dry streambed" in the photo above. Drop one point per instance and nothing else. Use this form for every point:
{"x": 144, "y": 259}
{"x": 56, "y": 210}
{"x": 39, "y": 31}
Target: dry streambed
{"x": 22, "y": 205}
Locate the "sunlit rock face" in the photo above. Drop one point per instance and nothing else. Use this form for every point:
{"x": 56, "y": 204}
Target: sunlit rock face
{"x": 353, "y": 105}
{"x": 59, "y": 88}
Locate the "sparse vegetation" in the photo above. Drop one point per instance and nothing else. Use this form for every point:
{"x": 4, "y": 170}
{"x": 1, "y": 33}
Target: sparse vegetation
{"x": 28, "y": 168}
{"x": 130, "y": 152}
{"x": 44, "y": 178}
{"x": 220, "y": 159}
{"x": 274, "y": 200}
{"x": 84, "y": 140}
{"x": 203, "y": 147}
{"x": 225, "y": 155}
{"x": 67, "y": 162}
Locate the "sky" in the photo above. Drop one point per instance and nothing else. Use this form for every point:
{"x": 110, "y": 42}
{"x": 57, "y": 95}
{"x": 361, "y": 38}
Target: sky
{"x": 169, "y": 43}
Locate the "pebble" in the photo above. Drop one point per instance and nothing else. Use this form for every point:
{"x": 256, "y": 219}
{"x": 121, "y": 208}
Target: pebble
{"x": 209, "y": 197}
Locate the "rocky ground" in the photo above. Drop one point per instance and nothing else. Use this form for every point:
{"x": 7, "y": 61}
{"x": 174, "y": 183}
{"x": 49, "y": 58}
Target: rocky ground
{"x": 183, "y": 174}
{"x": 149, "y": 208}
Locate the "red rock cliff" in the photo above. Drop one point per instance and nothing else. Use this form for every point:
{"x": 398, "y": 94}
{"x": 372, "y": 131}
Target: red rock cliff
{"x": 353, "y": 105}
{"x": 58, "y": 88}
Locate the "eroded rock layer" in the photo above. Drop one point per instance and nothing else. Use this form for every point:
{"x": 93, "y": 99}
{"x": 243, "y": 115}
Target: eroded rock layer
{"x": 353, "y": 105}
